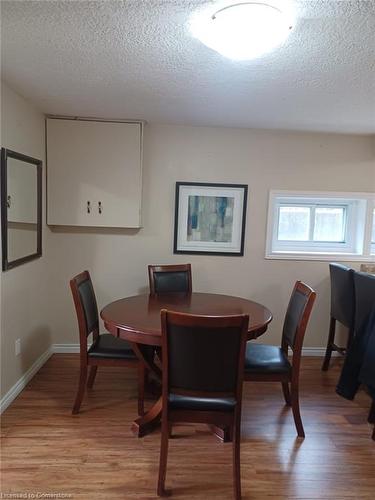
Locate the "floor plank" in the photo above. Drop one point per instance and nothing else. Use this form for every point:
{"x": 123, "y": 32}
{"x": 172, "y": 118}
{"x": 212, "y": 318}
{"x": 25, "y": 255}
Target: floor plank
{"x": 95, "y": 456}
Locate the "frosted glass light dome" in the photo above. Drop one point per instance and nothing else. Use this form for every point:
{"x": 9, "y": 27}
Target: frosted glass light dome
{"x": 244, "y": 30}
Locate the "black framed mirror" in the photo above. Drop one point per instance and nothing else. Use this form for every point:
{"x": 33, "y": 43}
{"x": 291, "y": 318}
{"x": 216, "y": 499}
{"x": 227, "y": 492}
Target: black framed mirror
{"x": 21, "y": 208}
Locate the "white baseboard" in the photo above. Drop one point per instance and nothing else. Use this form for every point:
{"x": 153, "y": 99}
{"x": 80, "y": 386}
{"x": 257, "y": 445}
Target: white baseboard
{"x": 306, "y": 351}
{"x": 315, "y": 351}
{"x": 74, "y": 348}
{"x": 26, "y": 377}
{"x": 22, "y": 382}
{"x": 65, "y": 348}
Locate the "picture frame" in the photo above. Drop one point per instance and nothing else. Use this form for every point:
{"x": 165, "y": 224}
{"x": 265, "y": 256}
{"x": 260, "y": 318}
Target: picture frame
{"x": 210, "y": 218}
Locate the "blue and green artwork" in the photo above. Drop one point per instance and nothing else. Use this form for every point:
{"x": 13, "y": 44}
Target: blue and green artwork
{"x": 210, "y": 218}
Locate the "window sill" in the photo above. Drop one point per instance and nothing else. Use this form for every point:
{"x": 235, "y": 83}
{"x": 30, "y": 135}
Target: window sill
{"x": 337, "y": 257}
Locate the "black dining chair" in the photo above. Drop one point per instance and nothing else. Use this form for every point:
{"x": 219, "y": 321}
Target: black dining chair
{"x": 358, "y": 367}
{"x": 170, "y": 278}
{"x": 364, "y": 292}
{"x": 367, "y": 370}
{"x": 202, "y": 361}
{"x": 105, "y": 350}
{"x": 342, "y": 308}
{"x": 267, "y": 363}
{"x": 364, "y": 287}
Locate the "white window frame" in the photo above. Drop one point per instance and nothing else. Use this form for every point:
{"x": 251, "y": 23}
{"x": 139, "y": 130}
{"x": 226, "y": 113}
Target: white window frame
{"x": 357, "y": 245}
{"x": 372, "y": 244}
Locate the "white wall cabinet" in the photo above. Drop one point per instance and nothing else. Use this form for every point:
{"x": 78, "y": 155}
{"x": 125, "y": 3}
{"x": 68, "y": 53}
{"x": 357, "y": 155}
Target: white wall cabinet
{"x": 94, "y": 173}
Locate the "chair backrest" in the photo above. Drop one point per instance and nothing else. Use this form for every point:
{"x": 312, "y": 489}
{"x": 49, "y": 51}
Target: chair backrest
{"x": 203, "y": 355}
{"x": 297, "y": 317}
{"x": 167, "y": 279}
{"x": 342, "y": 294}
{"x": 86, "y": 306}
{"x": 364, "y": 288}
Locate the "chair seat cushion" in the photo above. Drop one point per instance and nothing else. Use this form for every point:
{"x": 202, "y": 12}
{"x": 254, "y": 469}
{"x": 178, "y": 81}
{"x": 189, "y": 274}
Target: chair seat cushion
{"x": 107, "y": 346}
{"x": 265, "y": 359}
{"x": 178, "y": 402}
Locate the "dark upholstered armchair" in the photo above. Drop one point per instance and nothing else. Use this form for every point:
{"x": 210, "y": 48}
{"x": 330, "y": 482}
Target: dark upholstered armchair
{"x": 265, "y": 363}
{"x": 342, "y": 308}
{"x": 170, "y": 279}
{"x": 105, "y": 350}
{"x": 203, "y": 361}
{"x": 359, "y": 363}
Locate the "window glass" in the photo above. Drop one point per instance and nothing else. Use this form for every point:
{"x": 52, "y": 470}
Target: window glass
{"x": 294, "y": 223}
{"x": 329, "y": 224}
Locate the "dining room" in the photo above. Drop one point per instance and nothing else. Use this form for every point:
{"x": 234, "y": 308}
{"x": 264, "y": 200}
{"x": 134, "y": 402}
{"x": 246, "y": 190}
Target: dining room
{"x": 188, "y": 250}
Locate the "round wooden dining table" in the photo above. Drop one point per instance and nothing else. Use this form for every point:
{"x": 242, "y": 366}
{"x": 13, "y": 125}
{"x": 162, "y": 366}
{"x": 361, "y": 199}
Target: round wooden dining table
{"x": 137, "y": 320}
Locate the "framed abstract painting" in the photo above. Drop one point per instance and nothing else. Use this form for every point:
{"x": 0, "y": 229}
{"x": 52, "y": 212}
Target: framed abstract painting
{"x": 210, "y": 218}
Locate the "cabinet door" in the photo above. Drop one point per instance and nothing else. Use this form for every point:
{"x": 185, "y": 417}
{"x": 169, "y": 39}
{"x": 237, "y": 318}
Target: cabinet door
{"x": 91, "y": 163}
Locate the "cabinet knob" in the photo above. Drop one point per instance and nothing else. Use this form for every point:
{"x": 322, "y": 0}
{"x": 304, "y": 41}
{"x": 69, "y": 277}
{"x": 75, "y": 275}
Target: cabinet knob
{"x": 100, "y": 208}
{"x": 88, "y": 207}
{"x": 9, "y": 201}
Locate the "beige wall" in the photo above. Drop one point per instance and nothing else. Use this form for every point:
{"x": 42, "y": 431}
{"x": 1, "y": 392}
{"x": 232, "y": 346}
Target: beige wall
{"x": 36, "y": 305}
{"x": 24, "y": 296}
{"x": 261, "y": 159}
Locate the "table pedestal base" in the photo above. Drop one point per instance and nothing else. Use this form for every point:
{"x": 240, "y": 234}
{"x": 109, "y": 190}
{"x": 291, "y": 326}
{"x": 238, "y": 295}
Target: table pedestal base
{"x": 148, "y": 422}
{"x": 222, "y": 433}
{"x": 151, "y": 420}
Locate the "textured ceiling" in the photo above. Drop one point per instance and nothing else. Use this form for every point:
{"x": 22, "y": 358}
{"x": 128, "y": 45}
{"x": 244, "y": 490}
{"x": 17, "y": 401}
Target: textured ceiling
{"x": 137, "y": 59}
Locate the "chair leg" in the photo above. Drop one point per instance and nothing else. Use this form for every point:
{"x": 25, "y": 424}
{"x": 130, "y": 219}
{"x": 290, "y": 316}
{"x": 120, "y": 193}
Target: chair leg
{"x": 163, "y": 457}
{"x": 236, "y": 431}
{"x": 285, "y": 386}
{"x": 141, "y": 388}
{"x": 92, "y": 376}
{"x": 296, "y": 411}
{"x": 331, "y": 338}
{"x": 81, "y": 390}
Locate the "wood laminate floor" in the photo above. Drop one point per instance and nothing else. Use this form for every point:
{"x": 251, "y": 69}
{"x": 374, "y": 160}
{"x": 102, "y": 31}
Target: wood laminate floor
{"x": 95, "y": 456}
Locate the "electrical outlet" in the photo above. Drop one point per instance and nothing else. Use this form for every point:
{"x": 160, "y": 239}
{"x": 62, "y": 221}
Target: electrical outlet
{"x": 18, "y": 347}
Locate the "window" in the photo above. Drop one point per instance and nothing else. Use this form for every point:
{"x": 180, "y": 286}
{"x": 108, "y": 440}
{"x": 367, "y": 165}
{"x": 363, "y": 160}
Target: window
{"x": 321, "y": 225}
{"x": 312, "y": 223}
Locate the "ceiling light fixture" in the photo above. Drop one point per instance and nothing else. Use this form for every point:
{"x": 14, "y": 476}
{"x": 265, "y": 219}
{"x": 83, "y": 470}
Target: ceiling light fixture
{"x": 244, "y": 30}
